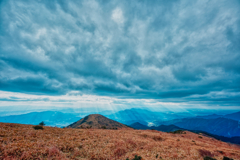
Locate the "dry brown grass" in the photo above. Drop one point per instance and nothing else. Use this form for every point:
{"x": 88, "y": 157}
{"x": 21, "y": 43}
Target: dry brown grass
{"x": 23, "y": 142}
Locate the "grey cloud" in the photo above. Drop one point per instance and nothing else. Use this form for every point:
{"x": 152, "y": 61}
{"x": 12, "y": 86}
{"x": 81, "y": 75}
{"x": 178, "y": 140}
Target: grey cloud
{"x": 167, "y": 50}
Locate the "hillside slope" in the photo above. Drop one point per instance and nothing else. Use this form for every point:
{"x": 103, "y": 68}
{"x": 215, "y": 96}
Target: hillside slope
{"x": 163, "y": 128}
{"x": 19, "y": 141}
{"x": 172, "y": 128}
{"x": 167, "y": 128}
{"x": 97, "y": 121}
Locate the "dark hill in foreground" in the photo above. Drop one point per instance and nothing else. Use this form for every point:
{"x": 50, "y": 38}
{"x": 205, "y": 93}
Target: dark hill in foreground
{"x": 97, "y": 121}
{"x": 138, "y": 125}
{"x": 167, "y": 128}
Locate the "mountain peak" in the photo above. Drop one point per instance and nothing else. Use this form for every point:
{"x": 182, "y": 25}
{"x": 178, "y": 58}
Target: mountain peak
{"x": 97, "y": 121}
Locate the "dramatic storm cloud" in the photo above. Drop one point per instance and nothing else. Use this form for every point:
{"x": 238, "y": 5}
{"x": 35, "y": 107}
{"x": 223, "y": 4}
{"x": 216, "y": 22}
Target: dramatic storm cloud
{"x": 167, "y": 51}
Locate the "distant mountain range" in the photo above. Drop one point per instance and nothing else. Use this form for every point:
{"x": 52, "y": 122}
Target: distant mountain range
{"x": 97, "y": 121}
{"x": 234, "y": 116}
{"x": 222, "y": 125}
{"x": 212, "y": 116}
{"x": 219, "y": 126}
{"x": 50, "y": 118}
{"x": 144, "y": 116}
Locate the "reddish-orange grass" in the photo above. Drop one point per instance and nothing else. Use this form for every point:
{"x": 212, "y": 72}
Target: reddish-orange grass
{"x": 23, "y": 142}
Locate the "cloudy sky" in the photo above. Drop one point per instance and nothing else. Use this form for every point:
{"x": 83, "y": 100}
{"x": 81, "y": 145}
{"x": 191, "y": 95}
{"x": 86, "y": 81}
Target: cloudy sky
{"x": 162, "y": 54}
